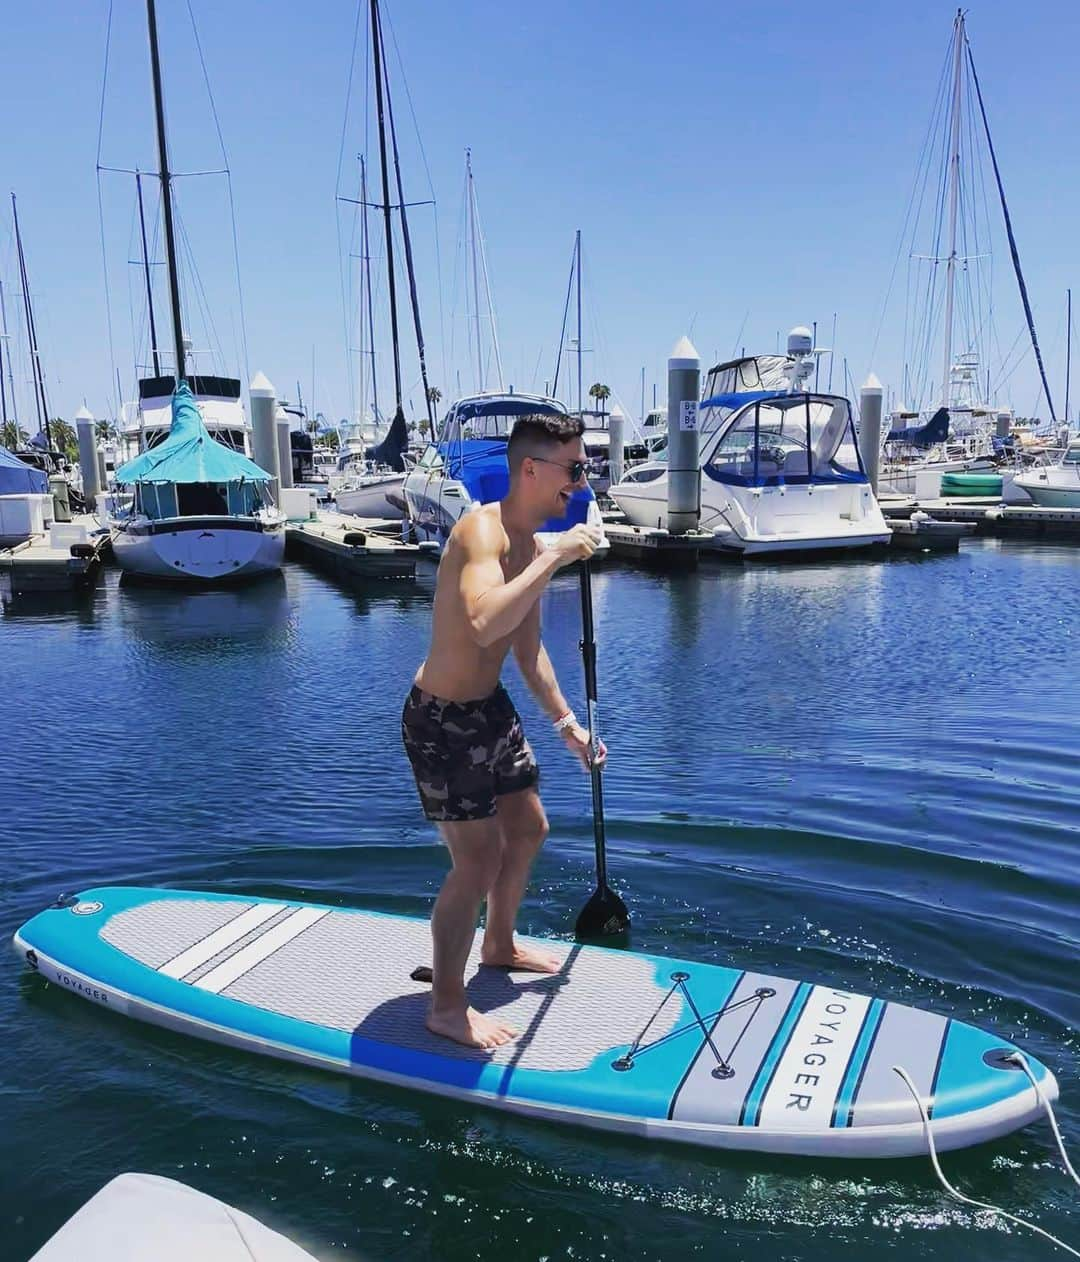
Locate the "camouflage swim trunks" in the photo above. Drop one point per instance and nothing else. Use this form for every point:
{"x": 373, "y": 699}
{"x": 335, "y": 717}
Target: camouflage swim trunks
{"x": 466, "y": 754}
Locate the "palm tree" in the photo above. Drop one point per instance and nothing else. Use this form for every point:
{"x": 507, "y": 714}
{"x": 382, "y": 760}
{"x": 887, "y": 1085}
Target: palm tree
{"x": 104, "y": 430}
{"x": 13, "y": 436}
{"x": 434, "y": 394}
{"x": 64, "y": 438}
{"x": 600, "y": 393}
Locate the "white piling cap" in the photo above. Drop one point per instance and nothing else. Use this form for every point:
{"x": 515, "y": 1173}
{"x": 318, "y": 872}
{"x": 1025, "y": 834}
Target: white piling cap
{"x": 684, "y": 355}
{"x": 871, "y": 386}
{"x": 261, "y": 388}
{"x": 84, "y": 414}
{"x": 617, "y": 411}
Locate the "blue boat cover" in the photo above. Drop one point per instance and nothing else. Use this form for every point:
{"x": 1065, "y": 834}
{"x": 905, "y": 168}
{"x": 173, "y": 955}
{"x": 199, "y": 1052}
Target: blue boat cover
{"x": 190, "y": 453}
{"x": 936, "y": 430}
{"x": 737, "y": 400}
{"x": 480, "y": 464}
{"x": 17, "y": 478}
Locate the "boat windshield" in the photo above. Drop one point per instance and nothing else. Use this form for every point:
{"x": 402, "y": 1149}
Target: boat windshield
{"x": 1072, "y": 454}
{"x": 792, "y": 438}
{"x": 490, "y": 419}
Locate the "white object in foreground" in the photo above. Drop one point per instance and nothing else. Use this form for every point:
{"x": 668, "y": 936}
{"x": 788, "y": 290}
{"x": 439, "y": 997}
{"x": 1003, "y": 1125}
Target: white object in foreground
{"x": 137, "y": 1217}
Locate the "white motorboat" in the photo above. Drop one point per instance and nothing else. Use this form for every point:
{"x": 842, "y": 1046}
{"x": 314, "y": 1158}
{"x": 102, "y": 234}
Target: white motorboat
{"x": 201, "y": 511}
{"x": 146, "y": 423}
{"x": 1055, "y": 485}
{"x": 780, "y": 469}
{"x": 467, "y": 466}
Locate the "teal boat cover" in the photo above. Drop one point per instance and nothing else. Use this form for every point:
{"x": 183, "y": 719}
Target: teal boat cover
{"x": 190, "y": 453}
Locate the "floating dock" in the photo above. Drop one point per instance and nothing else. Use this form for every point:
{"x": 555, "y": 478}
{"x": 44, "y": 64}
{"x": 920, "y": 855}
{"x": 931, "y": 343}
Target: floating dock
{"x": 923, "y": 534}
{"x": 992, "y": 517}
{"x": 654, "y": 545}
{"x": 352, "y": 547}
{"x": 66, "y": 558}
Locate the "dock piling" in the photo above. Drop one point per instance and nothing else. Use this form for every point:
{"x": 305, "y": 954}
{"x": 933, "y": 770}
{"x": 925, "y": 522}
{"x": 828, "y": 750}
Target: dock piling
{"x": 684, "y": 472}
{"x": 870, "y": 429}
{"x": 88, "y": 455}
{"x": 616, "y": 444}
{"x": 264, "y": 429}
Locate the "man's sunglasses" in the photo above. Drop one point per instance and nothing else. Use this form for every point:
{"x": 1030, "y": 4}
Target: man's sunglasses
{"x": 575, "y": 469}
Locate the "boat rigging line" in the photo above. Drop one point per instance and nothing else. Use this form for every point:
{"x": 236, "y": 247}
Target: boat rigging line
{"x": 146, "y": 273}
{"x": 166, "y": 195}
{"x": 31, "y": 333}
{"x": 1012, "y": 237}
{"x": 405, "y": 237}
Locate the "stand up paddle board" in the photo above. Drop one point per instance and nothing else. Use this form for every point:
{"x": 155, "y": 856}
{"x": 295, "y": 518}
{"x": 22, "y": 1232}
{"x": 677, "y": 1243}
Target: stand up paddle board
{"x": 620, "y": 1041}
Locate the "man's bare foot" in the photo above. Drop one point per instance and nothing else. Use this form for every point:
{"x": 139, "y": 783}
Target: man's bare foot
{"x": 527, "y": 959}
{"x": 469, "y": 1027}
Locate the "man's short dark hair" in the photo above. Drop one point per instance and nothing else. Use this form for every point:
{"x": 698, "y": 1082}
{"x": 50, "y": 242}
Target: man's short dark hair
{"x": 539, "y": 433}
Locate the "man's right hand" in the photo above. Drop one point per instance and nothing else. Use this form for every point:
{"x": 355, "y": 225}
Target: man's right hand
{"x": 576, "y": 544}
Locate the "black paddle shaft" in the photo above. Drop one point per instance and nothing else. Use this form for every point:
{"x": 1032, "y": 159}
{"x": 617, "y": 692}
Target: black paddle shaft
{"x": 605, "y": 914}
{"x": 588, "y": 654}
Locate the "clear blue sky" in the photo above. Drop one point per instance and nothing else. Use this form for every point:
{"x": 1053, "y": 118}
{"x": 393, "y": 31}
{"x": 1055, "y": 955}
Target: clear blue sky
{"x": 734, "y": 169}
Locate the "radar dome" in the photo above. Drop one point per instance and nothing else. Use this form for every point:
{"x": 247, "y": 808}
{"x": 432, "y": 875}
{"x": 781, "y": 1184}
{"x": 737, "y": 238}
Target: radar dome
{"x": 800, "y": 342}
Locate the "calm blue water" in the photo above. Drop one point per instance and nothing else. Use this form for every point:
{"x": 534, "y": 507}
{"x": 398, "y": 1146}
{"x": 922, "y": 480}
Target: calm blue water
{"x": 863, "y": 772}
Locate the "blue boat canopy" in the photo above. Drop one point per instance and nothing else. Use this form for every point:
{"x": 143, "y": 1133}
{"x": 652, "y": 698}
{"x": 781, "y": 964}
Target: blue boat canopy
{"x": 190, "y": 453}
{"x": 18, "y": 478}
{"x": 737, "y": 400}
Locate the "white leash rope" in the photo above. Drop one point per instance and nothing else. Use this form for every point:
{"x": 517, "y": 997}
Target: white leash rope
{"x": 1020, "y": 1059}
{"x": 969, "y": 1200}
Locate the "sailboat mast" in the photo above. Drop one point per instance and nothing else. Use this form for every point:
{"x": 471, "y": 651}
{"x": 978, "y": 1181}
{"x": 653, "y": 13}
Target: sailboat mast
{"x": 3, "y": 386}
{"x": 954, "y": 198}
{"x": 470, "y": 192}
{"x": 1068, "y": 349}
{"x": 388, "y": 228}
{"x": 166, "y": 195}
{"x": 31, "y": 333}
{"x": 146, "y": 273}
{"x": 577, "y": 255}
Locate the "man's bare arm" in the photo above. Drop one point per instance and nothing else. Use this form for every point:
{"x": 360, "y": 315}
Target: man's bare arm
{"x": 494, "y": 607}
{"x": 536, "y": 667}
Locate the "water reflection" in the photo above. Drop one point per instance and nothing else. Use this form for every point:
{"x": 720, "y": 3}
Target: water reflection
{"x": 221, "y": 622}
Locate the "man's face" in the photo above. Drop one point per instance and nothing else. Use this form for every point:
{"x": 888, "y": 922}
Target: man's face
{"x": 553, "y": 476}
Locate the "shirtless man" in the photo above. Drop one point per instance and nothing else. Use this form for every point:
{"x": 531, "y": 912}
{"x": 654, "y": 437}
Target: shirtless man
{"x": 474, "y": 769}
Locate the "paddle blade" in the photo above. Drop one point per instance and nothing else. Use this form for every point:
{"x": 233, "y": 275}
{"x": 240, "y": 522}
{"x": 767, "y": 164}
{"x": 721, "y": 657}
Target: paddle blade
{"x": 603, "y": 916}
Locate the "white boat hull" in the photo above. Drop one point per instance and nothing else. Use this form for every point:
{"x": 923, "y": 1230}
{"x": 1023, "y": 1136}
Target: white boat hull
{"x": 199, "y": 550}
{"x": 379, "y": 497}
{"x": 756, "y": 520}
{"x": 1046, "y": 496}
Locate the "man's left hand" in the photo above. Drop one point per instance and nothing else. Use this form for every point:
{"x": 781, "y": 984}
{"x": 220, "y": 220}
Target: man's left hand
{"x": 576, "y": 739}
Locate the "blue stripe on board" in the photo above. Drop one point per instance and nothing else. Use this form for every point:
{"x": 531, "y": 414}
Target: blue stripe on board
{"x": 859, "y": 1053}
{"x": 751, "y": 1109}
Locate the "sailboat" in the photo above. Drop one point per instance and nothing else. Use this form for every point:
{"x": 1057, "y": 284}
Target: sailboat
{"x": 957, "y": 432}
{"x": 372, "y": 474}
{"x": 200, "y": 510}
